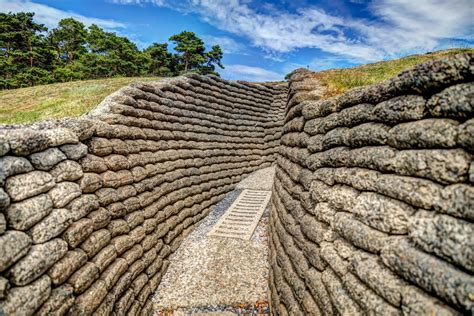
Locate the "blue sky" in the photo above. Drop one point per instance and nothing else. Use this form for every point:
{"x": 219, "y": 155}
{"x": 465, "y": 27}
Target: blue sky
{"x": 264, "y": 40}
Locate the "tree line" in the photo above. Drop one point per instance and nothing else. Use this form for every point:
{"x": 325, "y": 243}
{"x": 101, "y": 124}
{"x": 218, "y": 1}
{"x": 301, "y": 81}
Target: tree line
{"x": 30, "y": 54}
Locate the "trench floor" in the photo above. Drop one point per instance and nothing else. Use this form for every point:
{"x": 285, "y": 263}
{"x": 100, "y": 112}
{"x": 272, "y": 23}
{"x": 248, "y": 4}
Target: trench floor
{"x": 211, "y": 275}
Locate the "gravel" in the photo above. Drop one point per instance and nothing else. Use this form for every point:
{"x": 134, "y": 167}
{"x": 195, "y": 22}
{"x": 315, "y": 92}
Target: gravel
{"x": 226, "y": 276}
{"x": 259, "y": 180}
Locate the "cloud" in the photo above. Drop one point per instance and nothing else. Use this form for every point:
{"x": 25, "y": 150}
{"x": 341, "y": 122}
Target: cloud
{"x": 274, "y": 56}
{"x": 50, "y": 16}
{"x": 244, "y": 72}
{"x": 423, "y": 25}
{"x": 228, "y": 45}
{"x": 398, "y": 26}
{"x": 139, "y": 2}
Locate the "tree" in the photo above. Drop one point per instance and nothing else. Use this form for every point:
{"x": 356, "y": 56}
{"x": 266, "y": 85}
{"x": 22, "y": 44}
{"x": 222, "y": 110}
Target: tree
{"x": 115, "y": 55}
{"x": 23, "y": 49}
{"x": 30, "y": 55}
{"x": 26, "y": 38}
{"x": 214, "y": 57}
{"x": 191, "y": 48}
{"x": 160, "y": 61}
{"x": 69, "y": 39}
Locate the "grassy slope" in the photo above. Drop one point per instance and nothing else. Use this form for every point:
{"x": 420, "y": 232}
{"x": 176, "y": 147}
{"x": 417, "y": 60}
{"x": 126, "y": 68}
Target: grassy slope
{"x": 57, "y": 100}
{"x": 340, "y": 80}
{"x": 71, "y": 99}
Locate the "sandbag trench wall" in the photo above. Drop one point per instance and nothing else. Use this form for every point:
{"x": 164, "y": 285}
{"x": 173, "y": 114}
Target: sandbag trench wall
{"x": 92, "y": 207}
{"x": 373, "y": 200}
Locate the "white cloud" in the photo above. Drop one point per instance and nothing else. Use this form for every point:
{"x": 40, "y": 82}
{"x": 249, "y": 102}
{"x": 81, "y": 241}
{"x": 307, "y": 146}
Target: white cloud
{"x": 50, "y": 16}
{"x": 140, "y": 2}
{"x": 402, "y": 26}
{"x": 282, "y": 32}
{"x": 444, "y": 18}
{"x": 243, "y": 72}
{"x": 228, "y": 45}
{"x": 275, "y": 56}
{"x": 422, "y": 25}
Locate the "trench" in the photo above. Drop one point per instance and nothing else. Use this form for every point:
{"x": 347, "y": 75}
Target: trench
{"x": 94, "y": 208}
{"x": 220, "y": 274}
{"x": 371, "y": 209}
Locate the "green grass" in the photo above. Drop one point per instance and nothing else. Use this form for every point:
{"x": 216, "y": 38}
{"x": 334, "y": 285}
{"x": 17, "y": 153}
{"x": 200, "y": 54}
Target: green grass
{"x": 338, "y": 81}
{"x": 72, "y": 99}
{"x": 69, "y": 99}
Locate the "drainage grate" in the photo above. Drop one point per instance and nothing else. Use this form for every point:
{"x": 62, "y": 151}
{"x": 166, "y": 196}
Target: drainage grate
{"x": 241, "y": 218}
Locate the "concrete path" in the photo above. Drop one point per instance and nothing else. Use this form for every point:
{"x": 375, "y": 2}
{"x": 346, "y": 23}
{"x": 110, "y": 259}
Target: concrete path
{"x": 215, "y": 274}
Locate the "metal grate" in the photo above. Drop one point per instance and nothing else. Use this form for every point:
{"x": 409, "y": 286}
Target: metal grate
{"x": 241, "y": 218}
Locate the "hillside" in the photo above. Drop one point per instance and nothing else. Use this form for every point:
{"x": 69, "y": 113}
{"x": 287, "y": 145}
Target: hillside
{"x": 338, "y": 81}
{"x": 26, "y": 105}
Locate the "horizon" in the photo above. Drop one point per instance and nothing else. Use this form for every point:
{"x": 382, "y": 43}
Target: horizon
{"x": 263, "y": 41}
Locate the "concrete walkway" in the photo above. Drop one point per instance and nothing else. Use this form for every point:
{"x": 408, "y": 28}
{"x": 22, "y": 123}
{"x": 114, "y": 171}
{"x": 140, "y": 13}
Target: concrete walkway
{"x": 215, "y": 274}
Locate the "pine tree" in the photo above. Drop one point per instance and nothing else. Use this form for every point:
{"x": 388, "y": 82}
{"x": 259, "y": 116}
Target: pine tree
{"x": 115, "y": 55}
{"x": 69, "y": 39}
{"x": 191, "y": 48}
{"x": 25, "y": 54}
{"x": 214, "y": 57}
{"x": 29, "y": 55}
{"x": 160, "y": 61}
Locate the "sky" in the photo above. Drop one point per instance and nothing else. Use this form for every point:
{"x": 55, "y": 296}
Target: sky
{"x": 264, "y": 40}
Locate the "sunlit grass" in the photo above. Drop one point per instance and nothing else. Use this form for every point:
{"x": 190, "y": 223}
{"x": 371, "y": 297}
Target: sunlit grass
{"x": 70, "y": 99}
{"x": 73, "y": 99}
{"x": 338, "y": 81}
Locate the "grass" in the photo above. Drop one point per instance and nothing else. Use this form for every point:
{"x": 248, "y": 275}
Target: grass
{"x": 338, "y": 81}
{"x": 69, "y": 99}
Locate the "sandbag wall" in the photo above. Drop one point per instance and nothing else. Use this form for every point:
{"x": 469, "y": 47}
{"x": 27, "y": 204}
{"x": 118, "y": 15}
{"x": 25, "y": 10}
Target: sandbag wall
{"x": 91, "y": 208}
{"x": 373, "y": 201}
